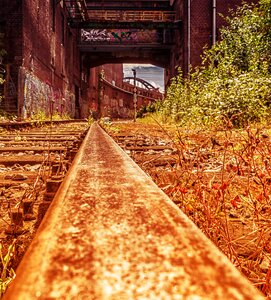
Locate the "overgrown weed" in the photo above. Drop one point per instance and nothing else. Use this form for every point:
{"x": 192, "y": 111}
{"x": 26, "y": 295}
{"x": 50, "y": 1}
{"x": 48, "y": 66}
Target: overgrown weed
{"x": 222, "y": 182}
{"x": 41, "y": 116}
{"x": 108, "y": 125}
{"x": 7, "y": 117}
{"x": 7, "y": 272}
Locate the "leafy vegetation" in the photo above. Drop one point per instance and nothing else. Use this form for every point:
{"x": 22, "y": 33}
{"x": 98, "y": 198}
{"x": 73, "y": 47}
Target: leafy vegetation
{"x": 150, "y": 108}
{"x": 233, "y": 84}
{"x": 41, "y": 116}
{"x": 7, "y": 273}
{"x": 4, "y": 116}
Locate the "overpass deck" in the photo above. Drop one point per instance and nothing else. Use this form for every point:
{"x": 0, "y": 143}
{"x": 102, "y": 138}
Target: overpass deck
{"x": 124, "y": 32}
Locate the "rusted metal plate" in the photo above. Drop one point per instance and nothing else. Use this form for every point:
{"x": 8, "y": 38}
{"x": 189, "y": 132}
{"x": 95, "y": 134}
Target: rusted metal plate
{"x": 110, "y": 233}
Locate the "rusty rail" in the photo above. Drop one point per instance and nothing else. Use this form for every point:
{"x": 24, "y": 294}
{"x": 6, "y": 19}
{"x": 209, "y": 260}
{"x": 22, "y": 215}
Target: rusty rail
{"x": 110, "y": 233}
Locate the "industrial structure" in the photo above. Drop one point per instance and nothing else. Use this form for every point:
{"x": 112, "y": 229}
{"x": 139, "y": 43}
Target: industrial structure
{"x": 54, "y": 50}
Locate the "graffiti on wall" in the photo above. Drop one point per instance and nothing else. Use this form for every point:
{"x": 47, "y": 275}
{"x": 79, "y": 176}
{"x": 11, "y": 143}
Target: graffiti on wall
{"x": 36, "y": 95}
{"x": 39, "y": 96}
{"x": 94, "y": 35}
{"x": 119, "y": 35}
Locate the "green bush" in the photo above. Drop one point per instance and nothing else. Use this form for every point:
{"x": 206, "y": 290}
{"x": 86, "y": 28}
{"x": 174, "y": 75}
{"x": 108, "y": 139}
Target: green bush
{"x": 234, "y": 81}
{"x": 150, "y": 108}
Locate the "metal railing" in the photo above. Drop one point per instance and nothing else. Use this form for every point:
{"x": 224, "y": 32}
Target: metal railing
{"x": 77, "y": 9}
{"x": 130, "y": 15}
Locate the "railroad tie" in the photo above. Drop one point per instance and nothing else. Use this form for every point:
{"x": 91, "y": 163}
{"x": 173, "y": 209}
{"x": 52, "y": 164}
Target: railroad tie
{"x": 111, "y": 233}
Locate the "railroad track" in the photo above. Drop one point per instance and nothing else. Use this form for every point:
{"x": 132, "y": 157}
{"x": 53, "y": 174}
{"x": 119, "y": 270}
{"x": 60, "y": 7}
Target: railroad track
{"x": 146, "y": 150}
{"x": 114, "y": 235}
{"x": 33, "y": 163}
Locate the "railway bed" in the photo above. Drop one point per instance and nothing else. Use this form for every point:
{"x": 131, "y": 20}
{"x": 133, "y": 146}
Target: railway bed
{"x": 115, "y": 235}
{"x": 27, "y": 165}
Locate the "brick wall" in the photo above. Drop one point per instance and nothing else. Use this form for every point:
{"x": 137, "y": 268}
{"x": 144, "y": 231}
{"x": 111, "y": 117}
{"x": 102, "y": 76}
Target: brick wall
{"x": 118, "y": 102}
{"x": 44, "y": 58}
{"x": 113, "y": 97}
{"x": 11, "y": 37}
{"x": 51, "y": 60}
{"x": 113, "y": 74}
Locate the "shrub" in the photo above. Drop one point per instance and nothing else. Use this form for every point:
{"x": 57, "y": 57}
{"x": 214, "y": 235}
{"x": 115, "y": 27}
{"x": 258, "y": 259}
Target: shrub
{"x": 234, "y": 81}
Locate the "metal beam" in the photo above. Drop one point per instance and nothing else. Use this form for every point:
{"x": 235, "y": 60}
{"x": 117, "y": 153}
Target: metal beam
{"x": 77, "y": 9}
{"x": 124, "y": 25}
{"x": 150, "y": 8}
{"x": 140, "y": 80}
{"x": 120, "y": 1}
{"x": 120, "y": 48}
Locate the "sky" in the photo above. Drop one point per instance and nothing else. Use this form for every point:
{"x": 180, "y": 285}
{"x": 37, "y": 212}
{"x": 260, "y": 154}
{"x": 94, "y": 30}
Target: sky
{"x": 154, "y": 75}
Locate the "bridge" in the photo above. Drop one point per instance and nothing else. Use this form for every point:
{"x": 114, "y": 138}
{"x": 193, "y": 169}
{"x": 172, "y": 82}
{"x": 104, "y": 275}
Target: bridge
{"x": 117, "y": 32}
{"x": 140, "y": 82}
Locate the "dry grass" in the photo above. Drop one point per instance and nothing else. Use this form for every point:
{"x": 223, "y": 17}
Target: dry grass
{"x": 222, "y": 181}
